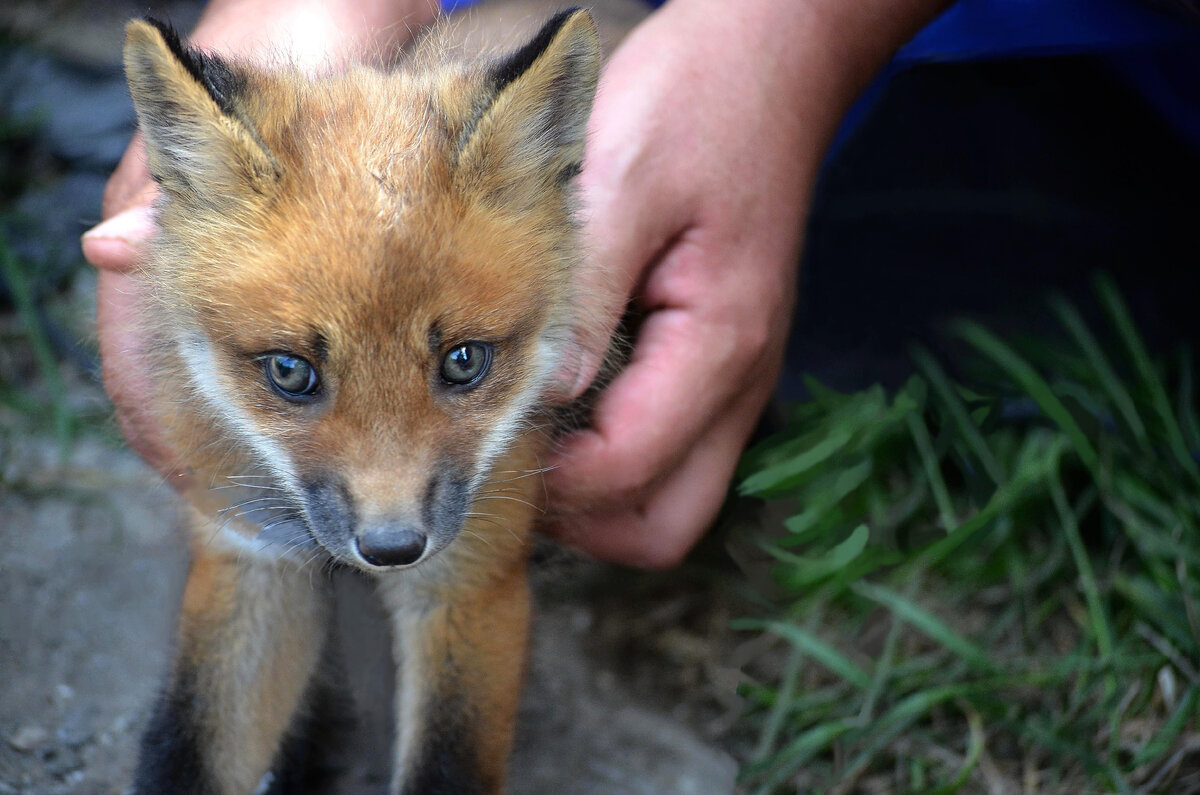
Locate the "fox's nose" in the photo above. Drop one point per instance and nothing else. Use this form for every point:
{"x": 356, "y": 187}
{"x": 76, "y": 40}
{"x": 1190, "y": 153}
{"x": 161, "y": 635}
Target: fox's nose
{"x": 391, "y": 546}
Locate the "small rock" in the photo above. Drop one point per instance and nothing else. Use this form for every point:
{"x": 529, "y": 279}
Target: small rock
{"x": 581, "y": 620}
{"x": 77, "y": 727}
{"x": 26, "y": 738}
{"x": 62, "y": 694}
{"x": 61, "y": 762}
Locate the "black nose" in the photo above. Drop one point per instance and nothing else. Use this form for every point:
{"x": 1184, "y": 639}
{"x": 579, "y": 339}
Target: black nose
{"x": 391, "y": 546}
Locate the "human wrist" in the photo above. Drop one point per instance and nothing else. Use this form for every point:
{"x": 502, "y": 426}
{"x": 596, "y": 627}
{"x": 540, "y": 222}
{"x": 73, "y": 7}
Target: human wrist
{"x": 310, "y": 33}
{"x": 818, "y": 55}
{"x": 858, "y": 39}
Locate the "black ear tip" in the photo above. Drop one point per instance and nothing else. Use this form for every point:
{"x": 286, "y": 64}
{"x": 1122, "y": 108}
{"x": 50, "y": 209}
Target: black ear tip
{"x": 172, "y": 39}
{"x": 165, "y": 28}
{"x": 210, "y": 71}
{"x": 512, "y": 67}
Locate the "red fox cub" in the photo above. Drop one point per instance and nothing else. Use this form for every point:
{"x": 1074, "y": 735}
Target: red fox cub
{"x": 361, "y": 288}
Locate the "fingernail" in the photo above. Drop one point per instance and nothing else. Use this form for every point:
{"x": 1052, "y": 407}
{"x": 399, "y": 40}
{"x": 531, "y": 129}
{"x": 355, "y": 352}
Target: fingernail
{"x": 131, "y": 226}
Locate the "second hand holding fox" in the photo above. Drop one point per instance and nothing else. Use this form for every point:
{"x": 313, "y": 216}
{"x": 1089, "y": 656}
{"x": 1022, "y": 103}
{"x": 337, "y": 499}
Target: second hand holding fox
{"x": 709, "y": 128}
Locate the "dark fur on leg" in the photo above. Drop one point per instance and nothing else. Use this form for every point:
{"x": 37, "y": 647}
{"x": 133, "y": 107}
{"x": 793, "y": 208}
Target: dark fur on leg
{"x": 447, "y": 764}
{"x": 313, "y": 756}
{"x": 170, "y": 759}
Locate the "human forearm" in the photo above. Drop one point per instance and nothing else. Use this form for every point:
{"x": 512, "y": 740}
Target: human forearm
{"x": 814, "y": 56}
{"x": 710, "y": 126}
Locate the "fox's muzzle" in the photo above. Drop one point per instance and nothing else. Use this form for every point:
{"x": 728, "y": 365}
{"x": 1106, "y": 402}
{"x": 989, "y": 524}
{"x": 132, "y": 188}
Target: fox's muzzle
{"x": 357, "y": 529}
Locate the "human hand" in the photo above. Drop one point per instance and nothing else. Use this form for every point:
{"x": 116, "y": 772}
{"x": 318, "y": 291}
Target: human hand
{"x": 707, "y": 134}
{"x": 308, "y": 33}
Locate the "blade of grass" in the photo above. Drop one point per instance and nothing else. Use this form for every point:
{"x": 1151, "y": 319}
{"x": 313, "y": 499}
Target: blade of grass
{"x": 803, "y": 748}
{"x": 1097, "y": 615}
{"x": 1186, "y": 402}
{"x": 1161, "y": 742}
{"x": 1073, "y": 322}
{"x": 974, "y": 752}
{"x": 906, "y": 712}
{"x": 1033, "y": 384}
{"x": 1035, "y": 462}
{"x": 783, "y": 704}
{"x": 821, "y": 500}
{"x": 22, "y": 295}
{"x": 941, "y": 495}
{"x": 774, "y": 477}
{"x": 810, "y": 644}
{"x": 1117, "y": 311}
{"x": 954, "y": 406}
{"x": 883, "y": 667}
{"x": 805, "y": 570}
{"x": 1157, "y": 608}
{"x": 1049, "y": 740}
{"x": 927, "y": 623}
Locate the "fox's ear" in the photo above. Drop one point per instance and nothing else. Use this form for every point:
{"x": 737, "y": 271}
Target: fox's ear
{"x": 199, "y": 146}
{"x": 530, "y": 136}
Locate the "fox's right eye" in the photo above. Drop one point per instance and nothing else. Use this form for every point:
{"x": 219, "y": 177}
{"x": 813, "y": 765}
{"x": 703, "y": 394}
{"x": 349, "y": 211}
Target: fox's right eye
{"x": 292, "y": 376}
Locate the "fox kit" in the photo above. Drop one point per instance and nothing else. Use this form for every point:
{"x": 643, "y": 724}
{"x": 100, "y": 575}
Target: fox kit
{"x": 360, "y": 290}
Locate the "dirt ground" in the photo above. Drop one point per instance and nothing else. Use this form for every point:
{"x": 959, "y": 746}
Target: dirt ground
{"x": 91, "y": 570}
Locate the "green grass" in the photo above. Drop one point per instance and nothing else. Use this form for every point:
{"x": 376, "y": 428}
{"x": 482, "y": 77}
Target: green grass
{"x": 18, "y": 282}
{"x": 987, "y": 582}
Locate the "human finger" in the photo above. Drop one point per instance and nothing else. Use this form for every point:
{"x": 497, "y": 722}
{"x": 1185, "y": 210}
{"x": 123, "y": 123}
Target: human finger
{"x": 711, "y": 337}
{"x": 657, "y": 531}
{"x": 126, "y": 378}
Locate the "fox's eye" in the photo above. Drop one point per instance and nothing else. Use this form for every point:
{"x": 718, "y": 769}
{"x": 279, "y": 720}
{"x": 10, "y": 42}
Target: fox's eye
{"x": 466, "y": 363}
{"x": 292, "y": 376}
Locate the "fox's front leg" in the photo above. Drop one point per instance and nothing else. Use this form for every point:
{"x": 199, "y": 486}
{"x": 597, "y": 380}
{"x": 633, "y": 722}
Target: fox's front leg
{"x": 250, "y": 638}
{"x": 461, "y": 650}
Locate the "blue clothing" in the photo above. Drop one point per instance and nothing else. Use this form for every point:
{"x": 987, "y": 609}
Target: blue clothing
{"x": 1156, "y": 54}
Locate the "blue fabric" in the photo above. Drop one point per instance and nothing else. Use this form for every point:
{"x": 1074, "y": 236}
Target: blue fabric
{"x": 1156, "y": 54}
{"x": 973, "y": 29}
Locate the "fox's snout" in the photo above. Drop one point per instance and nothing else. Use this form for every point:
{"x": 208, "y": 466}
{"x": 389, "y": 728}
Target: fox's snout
{"x": 385, "y": 527}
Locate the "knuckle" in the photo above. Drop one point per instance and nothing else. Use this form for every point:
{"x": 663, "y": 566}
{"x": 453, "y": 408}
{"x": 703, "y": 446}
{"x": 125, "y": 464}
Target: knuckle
{"x": 631, "y": 479}
{"x": 758, "y": 333}
{"x": 659, "y": 556}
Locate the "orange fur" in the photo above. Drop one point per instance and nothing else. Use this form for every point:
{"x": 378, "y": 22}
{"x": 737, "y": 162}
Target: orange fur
{"x": 368, "y": 225}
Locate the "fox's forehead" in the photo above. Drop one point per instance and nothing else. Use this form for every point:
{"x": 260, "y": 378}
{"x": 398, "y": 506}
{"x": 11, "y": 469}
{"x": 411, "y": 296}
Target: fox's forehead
{"x": 360, "y": 267}
{"x": 377, "y": 285}
{"x": 367, "y": 226}
{"x": 402, "y": 128}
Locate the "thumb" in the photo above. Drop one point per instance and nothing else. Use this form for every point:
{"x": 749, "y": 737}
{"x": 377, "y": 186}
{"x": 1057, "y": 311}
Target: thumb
{"x": 118, "y": 243}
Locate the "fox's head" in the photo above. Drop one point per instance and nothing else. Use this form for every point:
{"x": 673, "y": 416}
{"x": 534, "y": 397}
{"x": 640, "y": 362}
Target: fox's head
{"x": 362, "y": 280}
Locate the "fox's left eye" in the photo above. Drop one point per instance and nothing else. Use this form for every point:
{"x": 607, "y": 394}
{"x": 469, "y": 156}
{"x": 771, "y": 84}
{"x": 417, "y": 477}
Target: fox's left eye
{"x": 466, "y": 364}
{"x": 292, "y": 376}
